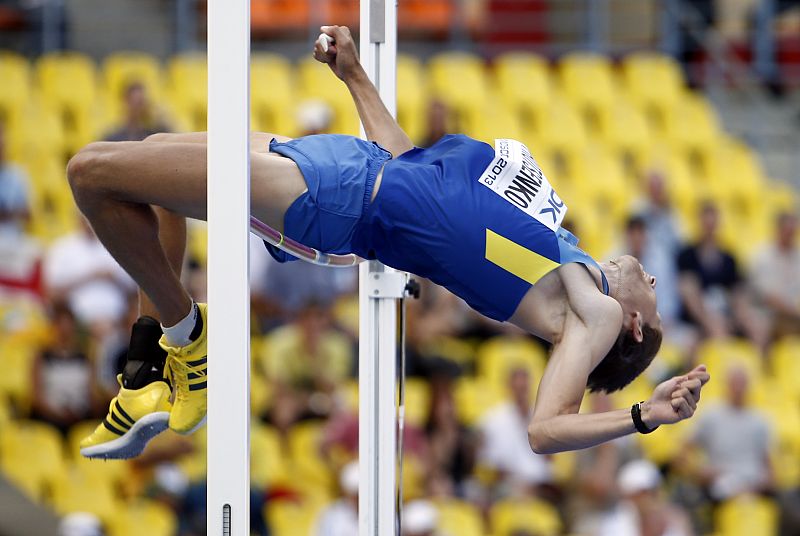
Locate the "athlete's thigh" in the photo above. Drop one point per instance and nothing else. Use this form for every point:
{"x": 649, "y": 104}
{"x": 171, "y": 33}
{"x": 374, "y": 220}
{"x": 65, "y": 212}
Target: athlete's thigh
{"x": 275, "y": 182}
{"x": 259, "y": 141}
{"x": 168, "y": 174}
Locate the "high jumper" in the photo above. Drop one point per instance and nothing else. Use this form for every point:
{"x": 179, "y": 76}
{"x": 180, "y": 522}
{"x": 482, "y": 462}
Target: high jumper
{"x": 482, "y": 221}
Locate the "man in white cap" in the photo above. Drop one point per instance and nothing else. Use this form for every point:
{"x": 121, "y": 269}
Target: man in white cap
{"x": 642, "y": 510}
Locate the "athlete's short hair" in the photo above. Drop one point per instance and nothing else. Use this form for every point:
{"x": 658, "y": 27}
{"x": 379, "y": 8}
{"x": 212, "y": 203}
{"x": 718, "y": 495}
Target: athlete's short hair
{"x": 625, "y": 361}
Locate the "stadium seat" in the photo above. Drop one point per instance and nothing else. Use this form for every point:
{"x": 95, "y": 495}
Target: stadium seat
{"x": 429, "y": 17}
{"x": 625, "y": 130}
{"x": 498, "y": 357}
{"x": 16, "y": 382}
{"x": 268, "y": 462}
{"x": 32, "y": 454}
{"x": 562, "y": 132}
{"x": 601, "y": 178}
{"x": 747, "y": 516}
{"x": 474, "y": 397}
{"x": 272, "y": 90}
{"x": 316, "y": 81}
{"x": 655, "y": 82}
{"x": 692, "y": 126}
{"x": 719, "y": 356}
{"x": 16, "y": 87}
{"x": 68, "y": 82}
{"x": 114, "y": 472}
{"x": 589, "y": 82}
{"x": 287, "y": 518}
{"x": 76, "y": 491}
{"x": 784, "y": 362}
{"x": 417, "y": 401}
{"x": 459, "y": 79}
{"x": 120, "y": 69}
{"x": 313, "y": 474}
{"x": 525, "y": 83}
{"x": 143, "y": 517}
{"x": 412, "y": 97}
{"x": 663, "y": 445}
{"x": 535, "y": 515}
{"x": 188, "y": 89}
{"x": 459, "y": 517}
{"x": 279, "y": 16}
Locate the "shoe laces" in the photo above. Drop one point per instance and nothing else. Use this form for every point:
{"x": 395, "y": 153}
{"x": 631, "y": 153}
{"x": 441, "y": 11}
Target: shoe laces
{"x": 179, "y": 375}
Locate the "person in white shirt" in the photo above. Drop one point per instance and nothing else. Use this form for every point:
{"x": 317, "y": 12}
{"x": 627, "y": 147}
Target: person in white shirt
{"x": 341, "y": 517}
{"x": 79, "y": 270}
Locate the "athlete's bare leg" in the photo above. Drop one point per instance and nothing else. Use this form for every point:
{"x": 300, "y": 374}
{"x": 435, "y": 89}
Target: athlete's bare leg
{"x": 114, "y": 184}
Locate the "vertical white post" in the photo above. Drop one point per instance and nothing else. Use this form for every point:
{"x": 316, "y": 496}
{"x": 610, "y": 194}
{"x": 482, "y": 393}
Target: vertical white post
{"x": 378, "y": 313}
{"x": 228, "y": 263}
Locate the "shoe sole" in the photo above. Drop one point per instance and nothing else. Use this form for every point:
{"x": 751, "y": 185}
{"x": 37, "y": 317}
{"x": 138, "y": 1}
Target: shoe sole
{"x": 133, "y": 442}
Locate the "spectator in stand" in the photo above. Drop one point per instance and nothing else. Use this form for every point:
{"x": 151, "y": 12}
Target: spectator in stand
{"x": 712, "y": 291}
{"x": 62, "y": 374}
{"x": 774, "y": 279}
{"x": 79, "y": 270}
{"x": 643, "y": 511}
{"x": 451, "y": 445}
{"x": 307, "y": 360}
{"x": 658, "y": 261}
{"x": 14, "y": 195}
{"x": 140, "y": 119}
{"x": 341, "y": 517}
{"x": 504, "y": 439}
{"x": 20, "y": 256}
{"x": 420, "y": 518}
{"x": 660, "y": 221}
{"x": 314, "y": 117}
{"x": 736, "y": 440}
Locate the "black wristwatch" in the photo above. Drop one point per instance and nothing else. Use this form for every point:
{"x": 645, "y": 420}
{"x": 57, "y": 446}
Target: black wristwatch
{"x": 636, "y": 415}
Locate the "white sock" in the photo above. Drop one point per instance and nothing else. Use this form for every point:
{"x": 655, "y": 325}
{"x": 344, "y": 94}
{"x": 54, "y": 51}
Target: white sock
{"x": 178, "y": 335}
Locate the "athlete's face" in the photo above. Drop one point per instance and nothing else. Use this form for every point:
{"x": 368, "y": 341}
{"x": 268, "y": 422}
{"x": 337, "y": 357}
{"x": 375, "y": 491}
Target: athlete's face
{"x": 637, "y": 290}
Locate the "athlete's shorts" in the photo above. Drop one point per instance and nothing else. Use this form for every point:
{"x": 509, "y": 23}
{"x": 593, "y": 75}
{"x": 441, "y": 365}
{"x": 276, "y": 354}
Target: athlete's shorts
{"x": 340, "y": 173}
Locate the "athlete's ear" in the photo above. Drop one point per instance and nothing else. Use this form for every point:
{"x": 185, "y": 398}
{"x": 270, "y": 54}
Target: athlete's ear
{"x": 636, "y": 326}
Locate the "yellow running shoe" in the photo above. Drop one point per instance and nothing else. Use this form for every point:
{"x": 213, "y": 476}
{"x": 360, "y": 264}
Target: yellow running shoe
{"x": 135, "y": 416}
{"x": 186, "y": 370}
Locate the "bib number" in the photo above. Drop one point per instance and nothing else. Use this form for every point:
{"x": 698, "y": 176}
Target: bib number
{"x": 515, "y": 176}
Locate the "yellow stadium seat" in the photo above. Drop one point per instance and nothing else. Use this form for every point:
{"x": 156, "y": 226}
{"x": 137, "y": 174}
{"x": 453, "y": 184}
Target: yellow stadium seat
{"x": 458, "y": 517}
{"x": 493, "y": 121}
{"x": 291, "y": 518}
{"x": 525, "y": 84}
{"x": 53, "y": 208}
{"x": 16, "y": 87}
{"x": 655, "y": 82}
{"x": 121, "y": 69}
{"x": 625, "y": 129}
{"x": 601, "y": 179}
{"x": 16, "y": 382}
{"x": 453, "y": 349}
{"x": 188, "y": 89}
{"x": 562, "y": 131}
{"x": 474, "y": 397}
{"x": 498, "y": 357}
{"x": 76, "y": 491}
{"x": 719, "y": 356}
{"x": 113, "y": 471}
{"x": 508, "y": 515}
{"x": 268, "y": 462}
{"x": 663, "y": 445}
{"x": 459, "y": 79}
{"x": 747, "y": 516}
{"x": 417, "y": 401}
{"x": 304, "y": 440}
{"x": 693, "y": 125}
{"x": 143, "y": 517}
{"x": 37, "y": 133}
{"x": 784, "y": 361}
{"x": 68, "y": 81}
{"x": 412, "y": 96}
{"x": 272, "y": 90}
{"x": 31, "y": 453}
{"x": 316, "y": 81}
{"x": 588, "y": 81}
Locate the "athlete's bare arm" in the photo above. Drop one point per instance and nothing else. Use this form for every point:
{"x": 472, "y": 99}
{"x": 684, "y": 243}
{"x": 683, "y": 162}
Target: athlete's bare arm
{"x": 342, "y": 58}
{"x": 591, "y": 323}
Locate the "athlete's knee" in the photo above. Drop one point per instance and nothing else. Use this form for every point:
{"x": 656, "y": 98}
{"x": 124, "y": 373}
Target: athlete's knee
{"x": 84, "y": 170}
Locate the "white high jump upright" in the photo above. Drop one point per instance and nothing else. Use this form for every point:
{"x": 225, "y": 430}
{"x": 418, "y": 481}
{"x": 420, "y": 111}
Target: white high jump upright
{"x": 228, "y": 264}
{"x": 380, "y": 288}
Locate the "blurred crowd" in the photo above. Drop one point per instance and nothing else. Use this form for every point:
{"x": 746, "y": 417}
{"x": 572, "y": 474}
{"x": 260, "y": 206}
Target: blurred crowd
{"x": 472, "y": 382}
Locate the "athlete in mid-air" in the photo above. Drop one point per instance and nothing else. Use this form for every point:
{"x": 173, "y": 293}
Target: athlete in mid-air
{"x": 481, "y": 221}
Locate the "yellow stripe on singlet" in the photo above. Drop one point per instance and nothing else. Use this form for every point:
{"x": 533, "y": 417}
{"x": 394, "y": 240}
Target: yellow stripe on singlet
{"x": 516, "y": 259}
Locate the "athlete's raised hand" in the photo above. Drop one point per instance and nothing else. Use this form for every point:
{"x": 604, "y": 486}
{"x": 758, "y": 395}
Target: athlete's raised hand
{"x": 675, "y": 399}
{"x": 336, "y": 47}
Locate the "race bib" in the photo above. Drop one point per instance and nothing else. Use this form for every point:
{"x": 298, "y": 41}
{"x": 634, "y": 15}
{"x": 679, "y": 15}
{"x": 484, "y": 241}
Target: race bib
{"x": 516, "y": 177}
